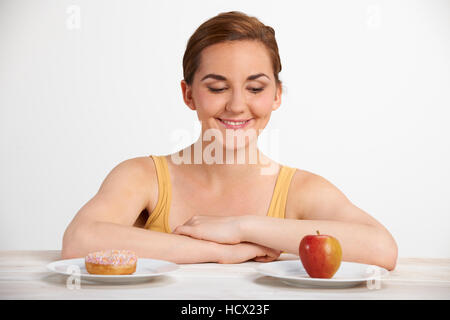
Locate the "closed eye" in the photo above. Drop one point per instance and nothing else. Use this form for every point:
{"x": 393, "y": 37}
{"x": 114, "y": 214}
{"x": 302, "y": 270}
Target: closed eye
{"x": 252, "y": 90}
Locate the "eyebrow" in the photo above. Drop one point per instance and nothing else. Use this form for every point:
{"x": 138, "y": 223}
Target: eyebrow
{"x": 222, "y": 78}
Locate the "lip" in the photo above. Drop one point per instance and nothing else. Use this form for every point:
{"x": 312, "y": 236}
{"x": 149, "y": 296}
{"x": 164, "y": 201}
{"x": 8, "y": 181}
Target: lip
{"x": 230, "y": 126}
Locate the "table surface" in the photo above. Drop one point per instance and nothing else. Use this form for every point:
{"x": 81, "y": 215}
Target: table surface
{"x": 24, "y": 275}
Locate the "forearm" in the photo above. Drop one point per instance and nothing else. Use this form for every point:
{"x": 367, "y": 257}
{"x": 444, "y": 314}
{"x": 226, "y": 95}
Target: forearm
{"x": 145, "y": 243}
{"x": 360, "y": 243}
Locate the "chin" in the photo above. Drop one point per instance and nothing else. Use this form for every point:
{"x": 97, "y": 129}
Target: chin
{"x": 241, "y": 146}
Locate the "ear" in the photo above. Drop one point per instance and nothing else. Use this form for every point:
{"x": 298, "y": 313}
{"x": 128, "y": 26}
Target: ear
{"x": 187, "y": 95}
{"x": 277, "y": 100}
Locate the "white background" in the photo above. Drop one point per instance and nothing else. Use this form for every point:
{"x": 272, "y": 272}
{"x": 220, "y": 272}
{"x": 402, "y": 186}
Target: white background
{"x": 366, "y": 106}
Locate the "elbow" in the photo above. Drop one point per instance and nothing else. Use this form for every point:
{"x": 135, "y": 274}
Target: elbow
{"x": 69, "y": 244}
{"x": 392, "y": 260}
{"x": 68, "y": 254}
{"x": 388, "y": 253}
{"x": 73, "y": 243}
{"x": 68, "y": 251}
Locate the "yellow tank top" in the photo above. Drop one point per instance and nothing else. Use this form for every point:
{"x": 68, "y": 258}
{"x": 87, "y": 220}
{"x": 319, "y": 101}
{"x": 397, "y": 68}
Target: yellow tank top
{"x": 158, "y": 219}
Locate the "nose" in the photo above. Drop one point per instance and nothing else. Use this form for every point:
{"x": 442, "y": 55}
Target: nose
{"x": 237, "y": 103}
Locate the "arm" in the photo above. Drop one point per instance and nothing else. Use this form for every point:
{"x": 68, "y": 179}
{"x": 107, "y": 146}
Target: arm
{"x": 321, "y": 206}
{"x": 106, "y": 222}
{"x": 360, "y": 243}
{"x": 145, "y": 243}
{"x": 158, "y": 245}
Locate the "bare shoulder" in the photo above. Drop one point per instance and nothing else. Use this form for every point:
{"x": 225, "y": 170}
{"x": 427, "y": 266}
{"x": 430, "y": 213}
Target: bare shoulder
{"x": 139, "y": 169}
{"x": 313, "y": 197}
{"x": 310, "y": 193}
{"x": 145, "y": 166}
{"x": 295, "y": 205}
{"x": 141, "y": 173}
{"x": 123, "y": 195}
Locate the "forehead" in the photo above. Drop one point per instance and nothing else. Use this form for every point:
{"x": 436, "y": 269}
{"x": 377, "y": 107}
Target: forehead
{"x": 242, "y": 57}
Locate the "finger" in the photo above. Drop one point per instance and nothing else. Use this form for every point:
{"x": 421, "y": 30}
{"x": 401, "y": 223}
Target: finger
{"x": 189, "y": 232}
{"x": 264, "y": 259}
{"x": 259, "y": 259}
{"x": 182, "y": 230}
{"x": 273, "y": 252}
{"x": 176, "y": 230}
{"x": 270, "y": 256}
{"x": 277, "y": 253}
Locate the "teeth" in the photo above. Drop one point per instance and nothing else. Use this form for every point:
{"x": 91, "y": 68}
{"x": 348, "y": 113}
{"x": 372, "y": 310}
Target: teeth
{"x": 234, "y": 123}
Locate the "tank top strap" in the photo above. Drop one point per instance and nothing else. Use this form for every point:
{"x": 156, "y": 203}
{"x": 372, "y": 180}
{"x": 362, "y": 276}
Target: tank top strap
{"x": 158, "y": 219}
{"x": 277, "y": 207}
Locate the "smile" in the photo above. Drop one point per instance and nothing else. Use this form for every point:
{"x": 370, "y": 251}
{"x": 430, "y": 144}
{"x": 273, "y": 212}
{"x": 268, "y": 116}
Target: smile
{"x": 229, "y": 124}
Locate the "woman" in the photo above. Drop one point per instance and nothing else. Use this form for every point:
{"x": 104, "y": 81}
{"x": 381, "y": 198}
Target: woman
{"x": 215, "y": 202}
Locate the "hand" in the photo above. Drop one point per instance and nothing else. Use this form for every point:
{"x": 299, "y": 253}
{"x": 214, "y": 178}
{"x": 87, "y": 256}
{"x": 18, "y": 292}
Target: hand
{"x": 246, "y": 251}
{"x": 225, "y": 230}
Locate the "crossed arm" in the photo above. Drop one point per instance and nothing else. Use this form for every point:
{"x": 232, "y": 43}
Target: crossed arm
{"x": 324, "y": 208}
{"x": 232, "y": 239}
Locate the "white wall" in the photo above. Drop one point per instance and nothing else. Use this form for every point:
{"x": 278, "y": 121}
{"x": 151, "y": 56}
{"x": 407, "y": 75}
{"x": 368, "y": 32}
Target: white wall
{"x": 367, "y": 104}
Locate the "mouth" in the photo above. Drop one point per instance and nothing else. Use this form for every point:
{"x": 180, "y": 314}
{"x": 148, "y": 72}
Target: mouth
{"x": 234, "y": 124}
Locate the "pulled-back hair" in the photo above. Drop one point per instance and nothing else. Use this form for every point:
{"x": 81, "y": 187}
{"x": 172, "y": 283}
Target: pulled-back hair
{"x": 229, "y": 26}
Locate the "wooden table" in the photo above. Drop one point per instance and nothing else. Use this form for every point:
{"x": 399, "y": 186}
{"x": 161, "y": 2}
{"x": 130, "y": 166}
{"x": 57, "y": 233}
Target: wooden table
{"x": 23, "y": 275}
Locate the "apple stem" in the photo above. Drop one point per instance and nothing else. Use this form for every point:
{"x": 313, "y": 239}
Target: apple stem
{"x": 318, "y": 232}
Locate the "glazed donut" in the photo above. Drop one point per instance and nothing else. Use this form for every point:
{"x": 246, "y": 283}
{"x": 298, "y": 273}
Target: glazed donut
{"x": 111, "y": 262}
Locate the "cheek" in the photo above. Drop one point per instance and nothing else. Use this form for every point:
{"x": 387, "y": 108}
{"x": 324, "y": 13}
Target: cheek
{"x": 262, "y": 106}
{"x": 209, "y": 105}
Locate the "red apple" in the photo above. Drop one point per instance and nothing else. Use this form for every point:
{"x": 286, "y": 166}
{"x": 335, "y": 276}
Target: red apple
{"x": 321, "y": 255}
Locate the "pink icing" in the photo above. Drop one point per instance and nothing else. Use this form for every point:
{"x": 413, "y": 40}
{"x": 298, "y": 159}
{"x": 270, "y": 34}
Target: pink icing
{"x": 112, "y": 257}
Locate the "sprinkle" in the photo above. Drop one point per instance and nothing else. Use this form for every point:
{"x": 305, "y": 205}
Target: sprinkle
{"x": 112, "y": 257}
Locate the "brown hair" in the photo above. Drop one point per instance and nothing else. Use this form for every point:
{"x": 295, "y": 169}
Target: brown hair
{"x": 229, "y": 26}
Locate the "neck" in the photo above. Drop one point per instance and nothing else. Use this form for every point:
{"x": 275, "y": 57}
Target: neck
{"x": 225, "y": 167}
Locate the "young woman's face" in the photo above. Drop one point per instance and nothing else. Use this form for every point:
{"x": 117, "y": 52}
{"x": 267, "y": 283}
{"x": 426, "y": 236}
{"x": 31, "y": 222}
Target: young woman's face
{"x": 235, "y": 82}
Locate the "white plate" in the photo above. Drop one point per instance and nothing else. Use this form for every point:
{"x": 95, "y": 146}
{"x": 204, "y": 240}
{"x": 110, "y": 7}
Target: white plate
{"x": 350, "y": 274}
{"x": 145, "y": 270}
